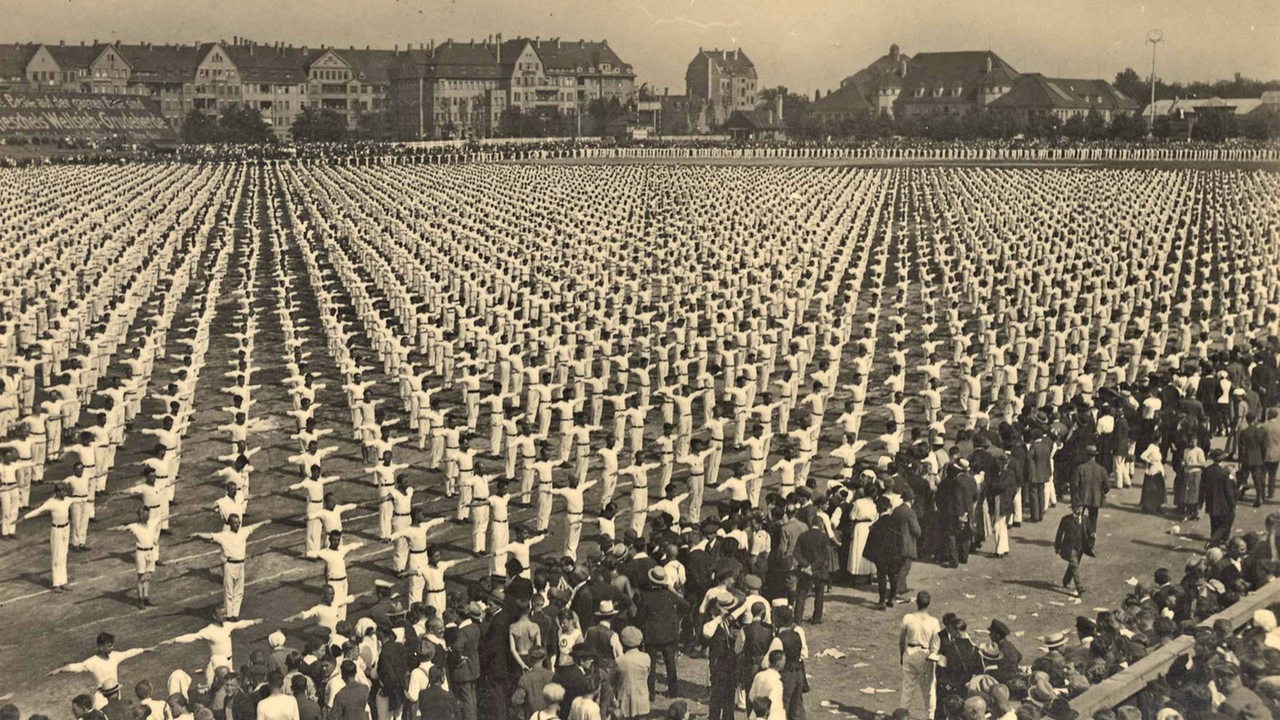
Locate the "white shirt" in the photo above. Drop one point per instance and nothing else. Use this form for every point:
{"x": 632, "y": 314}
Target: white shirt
{"x": 278, "y": 707}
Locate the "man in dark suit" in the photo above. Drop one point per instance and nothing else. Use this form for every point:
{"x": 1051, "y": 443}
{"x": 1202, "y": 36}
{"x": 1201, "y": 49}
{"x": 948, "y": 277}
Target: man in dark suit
{"x": 464, "y": 659}
{"x": 1089, "y": 485}
{"x": 720, "y": 635}
{"x": 1069, "y": 544}
{"x": 1040, "y": 468}
{"x": 351, "y": 702}
{"x": 436, "y": 702}
{"x": 659, "y": 611}
{"x": 393, "y": 668}
{"x": 883, "y": 549}
{"x": 813, "y": 568}
{"x": 1252, "y": 446}
{"x": 1218, "y": 494}
{"x": 960, "y": 660}
{"x": 908, "y": 530}
{"x": 957, "y": 493}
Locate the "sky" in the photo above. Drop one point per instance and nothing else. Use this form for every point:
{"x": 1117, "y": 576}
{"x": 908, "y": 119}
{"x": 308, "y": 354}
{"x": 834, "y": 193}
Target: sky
{"x": 801, "y": 44}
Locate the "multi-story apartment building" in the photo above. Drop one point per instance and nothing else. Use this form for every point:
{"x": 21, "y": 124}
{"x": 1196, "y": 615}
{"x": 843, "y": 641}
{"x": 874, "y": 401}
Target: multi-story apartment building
{"x": 725, "y": 80}
{"x": 457, "y": 89}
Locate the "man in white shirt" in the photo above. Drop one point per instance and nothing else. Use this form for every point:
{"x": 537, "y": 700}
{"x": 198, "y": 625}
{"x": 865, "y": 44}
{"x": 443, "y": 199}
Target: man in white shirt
{"x": 918, "y": 643}
{"x": 279, "y": 705}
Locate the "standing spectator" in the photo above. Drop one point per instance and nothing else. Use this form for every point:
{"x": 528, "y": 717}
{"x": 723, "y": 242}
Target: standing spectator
{"x": 1218, "y": 493}
{"x": 918, "y": 644}
{"x": 1252, "y": 453}
{"x": 279, "y": 704}
{"x": 658, "y": 613}
{"x": 813, "y": 555}
{"x": 352, "y": 701}
{"x": 528, "y": 697}
{"x": 631, "y": 683}
{"x": 1272, "y": 461}
{"x": 436, "y": 703}
{"x": 884, "y": 550}
{"x": 721, "y": 636}
{"x": 1069, "y": 543}
{"x": 308, "y": 708}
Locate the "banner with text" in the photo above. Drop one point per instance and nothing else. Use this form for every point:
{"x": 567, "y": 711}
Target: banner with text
{"x": 76, "y": 115}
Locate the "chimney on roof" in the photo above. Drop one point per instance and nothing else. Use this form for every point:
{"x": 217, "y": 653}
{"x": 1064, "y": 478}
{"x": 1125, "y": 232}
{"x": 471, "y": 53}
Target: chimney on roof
{"x": 557, "y": 43}
{"x": 251, "y": 46}
{"x": 903, "y": 71}
{"x": 396, "y": 49}
{"x": 988, "y": 62}
{"x": 304, "y": 49}
{"x": 777, "y": 101}
{"x": 62, "y": 43}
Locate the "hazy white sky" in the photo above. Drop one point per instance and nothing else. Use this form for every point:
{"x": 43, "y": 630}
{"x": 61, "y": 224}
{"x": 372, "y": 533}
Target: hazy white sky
{"x": 803, "y": 44}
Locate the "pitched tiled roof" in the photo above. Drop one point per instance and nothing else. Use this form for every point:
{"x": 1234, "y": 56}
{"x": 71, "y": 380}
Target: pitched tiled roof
{"x": 1034, "y": 91}
{"x": 266, "y": 64}
{"x": 732, "y": 62}
{"x": 370, "y": 66}
{"x": 884, "y": 70}
{"x": 966, "y": 70}
{"x": 754, "y": 120}
{"x": 578, "y": 56}
{"x": 1240, "y": 106}
{"x": 850, "y": 98}
{"x": 14, "y": 58}
{"x": 161, "y": 63}
{"x": 76, "y": 57}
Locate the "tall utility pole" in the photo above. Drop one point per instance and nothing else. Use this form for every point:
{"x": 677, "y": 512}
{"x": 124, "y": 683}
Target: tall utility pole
{"x": 1154, "y": 37}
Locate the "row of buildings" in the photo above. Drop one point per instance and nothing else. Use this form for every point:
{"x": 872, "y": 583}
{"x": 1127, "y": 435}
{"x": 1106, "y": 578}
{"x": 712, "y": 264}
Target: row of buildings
{"x": 954, "y": 83}
{"x": 450, "y": 89}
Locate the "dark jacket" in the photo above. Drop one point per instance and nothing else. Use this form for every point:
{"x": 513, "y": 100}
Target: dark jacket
{"x": 883, "y": 546}
{"x": 659, "y": 613}
{"x": 349, "y": 704}
{"x": 436, "y": 702}
{"x": 813, "y": 554}
{"x": 575, "y": 683}
{"x": 1069, "y": 542}
{"x": 1217, "y": 490}
{"x": 908, "y": 528}
{"x": 393, "y": 668}
{"x": 308, "y": 709}
{"x": 963, "y": 662}
{"x": 1253, "y": 446}
{"x": 464, "y": 654}
{"x": 1089, "y": 484}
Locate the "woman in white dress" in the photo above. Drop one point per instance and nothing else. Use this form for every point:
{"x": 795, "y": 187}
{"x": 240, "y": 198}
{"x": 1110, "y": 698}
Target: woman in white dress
{"x": 862, "y": 514}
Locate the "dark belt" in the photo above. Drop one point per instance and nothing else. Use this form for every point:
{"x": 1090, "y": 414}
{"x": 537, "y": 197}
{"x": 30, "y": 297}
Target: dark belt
{"x": 430, "y": 591}
{"x": 417, "y": 552}
{"x": 146, "y": 549}
{"x": 65, "y": 524}
{"x": 341, "y": 579}
{"x": 233, "y": 562}
{"x": 400, "y": 514}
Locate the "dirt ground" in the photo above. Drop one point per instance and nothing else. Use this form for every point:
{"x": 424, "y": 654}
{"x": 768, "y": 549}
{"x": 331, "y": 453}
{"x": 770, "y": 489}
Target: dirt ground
{"x": 41, "y": 630}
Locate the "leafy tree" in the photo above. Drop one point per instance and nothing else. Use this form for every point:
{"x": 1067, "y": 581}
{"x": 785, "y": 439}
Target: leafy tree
{"x": 243, "y": 124}
{"x": 375, "y": 125}
{"x": 603, "y": 114}
{"x": 1214, "y": 126}
{"x": 1127, "y": 126}
{"x": 1162, "y": 128}
{"x": 1262, "y": 124}
{"x": 1095, "y": 126}
{"x": 1131, "y": 84}
{"x": 315, "y": 124}
{"x": 198, "y": 129}
{"x": 1044, "y": 125}
{"x": 1075, "y": 127}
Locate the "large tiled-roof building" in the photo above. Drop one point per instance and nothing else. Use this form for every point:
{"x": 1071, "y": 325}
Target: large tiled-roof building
{"x": 953, "y": 83}
{"x": 723, "y": 79}
{"x": 464, "y": 88}
{"x": 455, "y": 89}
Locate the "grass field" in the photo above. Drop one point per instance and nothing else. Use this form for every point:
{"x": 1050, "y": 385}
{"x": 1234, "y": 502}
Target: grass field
{"x": 41, "y": 630}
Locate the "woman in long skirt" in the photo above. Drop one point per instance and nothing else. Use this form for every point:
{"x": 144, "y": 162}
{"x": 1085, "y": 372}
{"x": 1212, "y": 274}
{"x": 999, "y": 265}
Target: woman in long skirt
{"x": 1193, "y": 462}
{"x": 863, "y": 514}
{"x": 1153, "y": 487}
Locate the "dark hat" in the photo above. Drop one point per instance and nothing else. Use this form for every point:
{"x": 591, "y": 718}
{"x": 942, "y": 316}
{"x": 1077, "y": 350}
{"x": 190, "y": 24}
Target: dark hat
{"x": 582, "y": 651}
{"x": 998, "y": 627}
